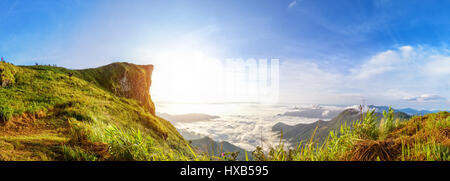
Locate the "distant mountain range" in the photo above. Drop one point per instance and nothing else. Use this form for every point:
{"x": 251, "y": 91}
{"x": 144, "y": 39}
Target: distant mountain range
{"x": 299, "y": 132}
{"x": 416, "y": 112}
{"x": 408, "y": 111}
{"x": 211, "y": 147}
{"x": 326, "y": 113}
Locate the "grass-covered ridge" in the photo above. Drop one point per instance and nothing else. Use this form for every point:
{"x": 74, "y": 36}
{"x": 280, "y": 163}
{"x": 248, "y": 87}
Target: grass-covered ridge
{"x": 321, "y": 129}
{"x": 52, "y": 113}
{"x": 422, "y": 138}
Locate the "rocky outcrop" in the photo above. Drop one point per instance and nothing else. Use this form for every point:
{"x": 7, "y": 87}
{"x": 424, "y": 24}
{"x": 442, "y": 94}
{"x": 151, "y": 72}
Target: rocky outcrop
{"x": 125, "y": 80}
{"x": 135, "y": 84}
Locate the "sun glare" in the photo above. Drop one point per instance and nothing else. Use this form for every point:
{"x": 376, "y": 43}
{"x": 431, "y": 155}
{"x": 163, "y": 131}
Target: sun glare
{"x": 187, "y": 76}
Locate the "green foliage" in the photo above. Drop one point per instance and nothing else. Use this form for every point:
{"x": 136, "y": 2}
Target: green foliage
{"x": 427, "y": 151}
{"x": 6, "y": 113}
{"x": 440, "y": 123}
{"x": 387, "y": 124}
{"x": 43, "y": 147}
{"x": 133, "y": 145}
{"x": 230, "y": 156}
{"x": 258, "y": 154}
{"x": 82, "y": 111}
{"x": 429, "y": 142}
{"x": 7, "y": 74}
{"x": 77, "y": 154}
{"x": 79, "y": 132}
{"x": 367, "y": 128}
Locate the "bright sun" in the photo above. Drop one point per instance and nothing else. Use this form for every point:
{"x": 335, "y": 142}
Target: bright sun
{"x": 187, "y": 76}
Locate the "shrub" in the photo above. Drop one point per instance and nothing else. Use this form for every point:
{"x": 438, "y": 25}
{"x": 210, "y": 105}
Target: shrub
{"x": 388, "y": 123}
{"x": 130, "y": 145}
{"x": 367, "y": 128}
{"x": 79, "y": 132}
{"x": 6, "y": 113}
{"x": 77, "y": 154}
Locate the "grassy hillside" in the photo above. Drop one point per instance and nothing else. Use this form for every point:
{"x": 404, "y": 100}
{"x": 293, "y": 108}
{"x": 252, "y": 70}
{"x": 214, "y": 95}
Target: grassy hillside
{"x": 422, "y": 138}
{"x": 52, "y": 113}
{"x": 300, "y": 132}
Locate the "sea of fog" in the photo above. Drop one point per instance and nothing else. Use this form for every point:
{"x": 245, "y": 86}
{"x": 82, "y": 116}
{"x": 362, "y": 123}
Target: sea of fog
{"x": 245, "y": 124}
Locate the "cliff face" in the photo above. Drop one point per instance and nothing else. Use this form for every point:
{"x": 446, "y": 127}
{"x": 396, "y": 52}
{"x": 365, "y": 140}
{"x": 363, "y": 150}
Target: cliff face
{"x": 125, "y": 80}
{"x": 135, "y": 84}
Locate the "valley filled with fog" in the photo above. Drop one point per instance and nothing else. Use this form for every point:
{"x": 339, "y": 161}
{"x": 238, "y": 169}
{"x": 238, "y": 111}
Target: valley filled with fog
{"x": 242, "y": 124}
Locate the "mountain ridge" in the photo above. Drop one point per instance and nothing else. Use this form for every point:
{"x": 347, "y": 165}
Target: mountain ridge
{"x": 91, "y": 114}
{"x": 303, "y": 132}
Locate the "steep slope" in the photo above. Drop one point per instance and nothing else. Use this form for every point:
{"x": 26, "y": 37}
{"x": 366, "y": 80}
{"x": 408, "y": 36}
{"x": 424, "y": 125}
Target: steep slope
{"x": 300, "y": 132}
{"x": 125, "y": 80}
{"x": 52, "y": 113}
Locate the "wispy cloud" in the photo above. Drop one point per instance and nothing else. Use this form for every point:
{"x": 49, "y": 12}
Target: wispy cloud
{"x": 383, "y": 62}
{"x": 398, "y": 76}
{"x": 292, "y": 4}
{"x": 424, "y": 98}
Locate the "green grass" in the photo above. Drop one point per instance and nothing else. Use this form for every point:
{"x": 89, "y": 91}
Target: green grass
{"x": 86, "y": 111}
{"x": 422, "y": 138}
{"x": 44, "y": 147}
{"x": 7, "y": 72}
{"x": 77, "y": 154}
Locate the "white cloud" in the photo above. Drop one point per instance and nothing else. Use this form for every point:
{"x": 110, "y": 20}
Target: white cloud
{"x": 246, "y": 125}
{"x": 438, "y": 66}
{"x": 292, "y": 4}
{"x": 424, "y": 98}
{"x": 383, "y": 62}
{"x": 397, "y": 77}
{"x": 417, "y": 61}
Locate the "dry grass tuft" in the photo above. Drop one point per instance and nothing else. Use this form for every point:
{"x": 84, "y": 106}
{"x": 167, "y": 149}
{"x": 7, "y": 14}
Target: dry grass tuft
{"x": 375, "y": 151}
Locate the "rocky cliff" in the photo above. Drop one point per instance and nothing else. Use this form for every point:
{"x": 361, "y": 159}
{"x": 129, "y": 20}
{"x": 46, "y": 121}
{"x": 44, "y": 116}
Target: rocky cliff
{"x": 125, "y": 80}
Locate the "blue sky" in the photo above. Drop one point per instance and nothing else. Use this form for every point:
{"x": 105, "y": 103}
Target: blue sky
{"x": 335, "y": 52}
